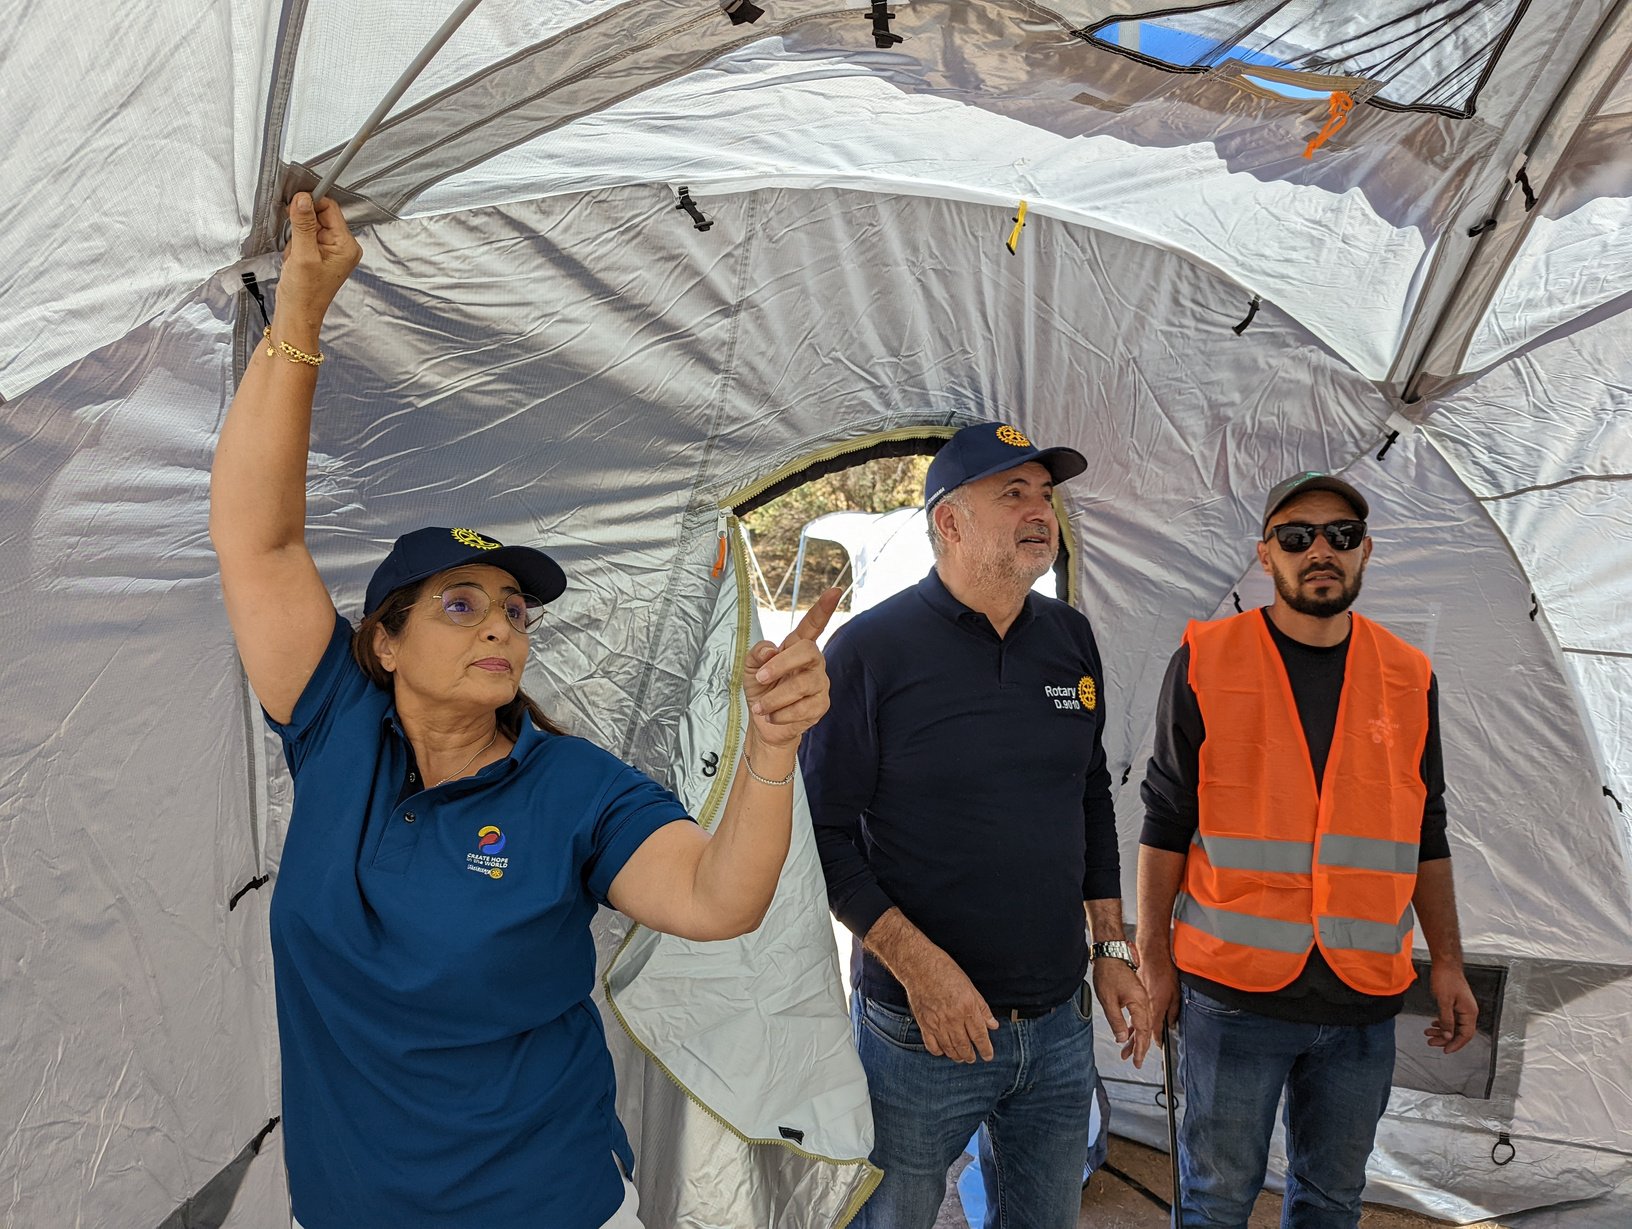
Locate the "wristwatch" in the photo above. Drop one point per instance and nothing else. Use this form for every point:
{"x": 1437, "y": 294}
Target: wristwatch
{"x": 1116, "y": 949}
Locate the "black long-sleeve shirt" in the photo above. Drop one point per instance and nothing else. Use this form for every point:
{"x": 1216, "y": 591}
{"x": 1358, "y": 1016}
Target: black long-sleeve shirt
{"x": 1318, "y": 995}
{"x": 961, "y": 777}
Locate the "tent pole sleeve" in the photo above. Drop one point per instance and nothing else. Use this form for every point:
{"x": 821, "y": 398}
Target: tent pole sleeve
{"x": 427, "y": 53}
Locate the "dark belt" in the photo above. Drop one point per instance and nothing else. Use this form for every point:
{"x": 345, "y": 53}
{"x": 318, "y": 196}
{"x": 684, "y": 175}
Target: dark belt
{"x": 1024, "y": 1013}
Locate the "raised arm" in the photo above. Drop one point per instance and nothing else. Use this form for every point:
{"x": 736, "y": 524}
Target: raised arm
{"x": 280, "y": 612}
{"x": 718, "y": 885}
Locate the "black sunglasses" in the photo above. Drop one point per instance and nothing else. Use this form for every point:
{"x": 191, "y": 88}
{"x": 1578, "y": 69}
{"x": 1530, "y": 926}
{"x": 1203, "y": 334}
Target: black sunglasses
{"x": 1295, "y": 538}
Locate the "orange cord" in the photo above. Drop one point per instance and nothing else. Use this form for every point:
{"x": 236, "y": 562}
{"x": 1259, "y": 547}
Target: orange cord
{"x": 1338, "y": 108}
{"x": 719, "y": 559}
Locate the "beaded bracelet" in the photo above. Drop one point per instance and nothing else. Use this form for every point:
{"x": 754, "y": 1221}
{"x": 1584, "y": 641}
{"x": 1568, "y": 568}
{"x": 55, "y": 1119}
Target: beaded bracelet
{"x": 292, "y": 354}
{"x": 787, "y": 780}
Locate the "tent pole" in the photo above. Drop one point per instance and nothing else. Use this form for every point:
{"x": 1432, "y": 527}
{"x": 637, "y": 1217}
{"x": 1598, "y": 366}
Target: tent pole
{"x": 798, "y": 567}
{"x": 427, "y": 53}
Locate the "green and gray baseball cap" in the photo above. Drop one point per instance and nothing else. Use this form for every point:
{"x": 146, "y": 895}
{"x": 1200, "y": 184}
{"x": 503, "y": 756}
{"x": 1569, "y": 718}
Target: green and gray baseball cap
{"x": 1312, "y": 480}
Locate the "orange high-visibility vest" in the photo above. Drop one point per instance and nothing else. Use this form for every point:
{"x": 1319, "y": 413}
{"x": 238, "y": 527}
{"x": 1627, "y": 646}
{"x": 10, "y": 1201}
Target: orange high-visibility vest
{"x": 1277, "y": 865}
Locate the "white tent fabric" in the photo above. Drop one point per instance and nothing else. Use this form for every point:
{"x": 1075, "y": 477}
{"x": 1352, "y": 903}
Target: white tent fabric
{"x": 147, "y": 118}
{"x": 541, "y": 343}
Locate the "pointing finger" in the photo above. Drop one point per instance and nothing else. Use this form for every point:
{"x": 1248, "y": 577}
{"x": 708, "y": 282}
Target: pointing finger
{"x": 815, "y": 621}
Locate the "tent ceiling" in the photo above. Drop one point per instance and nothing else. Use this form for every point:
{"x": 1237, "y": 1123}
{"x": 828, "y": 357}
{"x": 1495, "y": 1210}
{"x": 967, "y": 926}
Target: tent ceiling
{"x": 985, "y": 100}
{"x": 352, "y": 50}
{"x": 993, "y": 100}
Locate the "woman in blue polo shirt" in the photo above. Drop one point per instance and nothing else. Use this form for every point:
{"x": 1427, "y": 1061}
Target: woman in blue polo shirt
{"x": 443, "y": 1065}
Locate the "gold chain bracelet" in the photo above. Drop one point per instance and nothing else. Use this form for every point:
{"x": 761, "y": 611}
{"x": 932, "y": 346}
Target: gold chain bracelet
{"x": 289, "y": 352}
{"x": 787, "y": 780}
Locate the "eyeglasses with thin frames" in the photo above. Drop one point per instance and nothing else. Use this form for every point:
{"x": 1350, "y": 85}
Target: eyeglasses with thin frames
{"x": 468, "y": 605}
{"x": 1295, "y": 538}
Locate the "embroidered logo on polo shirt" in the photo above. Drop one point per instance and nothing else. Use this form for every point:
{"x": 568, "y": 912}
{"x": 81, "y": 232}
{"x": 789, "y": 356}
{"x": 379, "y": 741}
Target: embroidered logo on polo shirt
{"x": 1084, "y": 695}
{"x": 1012, "y": 437}
{"x": 469, "y": 537}
{"x": 490, "y": 843}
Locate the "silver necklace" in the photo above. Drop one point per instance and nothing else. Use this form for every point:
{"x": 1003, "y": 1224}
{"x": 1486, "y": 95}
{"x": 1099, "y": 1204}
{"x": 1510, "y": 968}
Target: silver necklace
{"x": 470, "y": 761}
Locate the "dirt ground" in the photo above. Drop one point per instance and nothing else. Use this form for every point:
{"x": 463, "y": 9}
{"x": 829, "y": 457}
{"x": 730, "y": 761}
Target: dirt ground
{"x": 1117, "y": 1202}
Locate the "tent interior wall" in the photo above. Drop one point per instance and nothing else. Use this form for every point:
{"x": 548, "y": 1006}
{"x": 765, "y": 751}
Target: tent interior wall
{"x": 540, "y": 343}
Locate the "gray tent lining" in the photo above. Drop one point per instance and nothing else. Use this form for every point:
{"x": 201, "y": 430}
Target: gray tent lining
{"x": 210, "y": 1207}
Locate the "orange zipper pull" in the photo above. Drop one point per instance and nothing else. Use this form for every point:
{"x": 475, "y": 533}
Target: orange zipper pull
{"x": 720, "y": 550}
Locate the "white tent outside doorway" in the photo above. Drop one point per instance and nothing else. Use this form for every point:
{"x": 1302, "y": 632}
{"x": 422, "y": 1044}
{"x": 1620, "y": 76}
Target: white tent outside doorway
{"x": 629, "y": 265}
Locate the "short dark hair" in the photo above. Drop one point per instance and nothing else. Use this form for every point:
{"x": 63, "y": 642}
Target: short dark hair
{"x": 392, "y": 615}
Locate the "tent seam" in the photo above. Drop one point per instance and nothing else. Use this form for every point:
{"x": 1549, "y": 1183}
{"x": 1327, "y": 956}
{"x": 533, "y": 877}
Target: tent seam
{"x": 694, "y": 499}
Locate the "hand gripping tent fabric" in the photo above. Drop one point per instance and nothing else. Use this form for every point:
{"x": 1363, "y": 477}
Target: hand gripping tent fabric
{"x": 630, "y": 264}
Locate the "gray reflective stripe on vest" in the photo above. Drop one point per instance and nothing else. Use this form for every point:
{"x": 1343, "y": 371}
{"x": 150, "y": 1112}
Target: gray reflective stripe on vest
{"x": 1367, "y": 853}
{"x": 1356, "y": 935}
{"x": 1243, "y": 928}
{"x": 1245, "y": 853}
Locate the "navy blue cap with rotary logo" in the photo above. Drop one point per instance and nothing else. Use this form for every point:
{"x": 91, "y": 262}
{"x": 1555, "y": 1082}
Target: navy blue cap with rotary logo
{"x": 425, "y": 552}
{"x": 989, "y": 448}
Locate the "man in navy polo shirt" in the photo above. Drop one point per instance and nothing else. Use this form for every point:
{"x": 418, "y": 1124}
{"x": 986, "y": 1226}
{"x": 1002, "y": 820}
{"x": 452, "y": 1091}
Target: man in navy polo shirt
{"x": 963, "y": 813}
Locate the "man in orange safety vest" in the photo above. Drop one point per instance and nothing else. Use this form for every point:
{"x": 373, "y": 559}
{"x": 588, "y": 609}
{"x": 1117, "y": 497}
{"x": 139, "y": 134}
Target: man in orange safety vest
{"x": 1294, "y": 841}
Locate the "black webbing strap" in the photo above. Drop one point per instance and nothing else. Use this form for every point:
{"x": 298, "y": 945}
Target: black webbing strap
{"x": 1252, "y": 313}
{"x": 1523, "y": 180}
{"x": 881, "y": 16}
{"x": 690, "y": 206}
{"x": 260, "y": 881}
{"x": 254, "y": 288}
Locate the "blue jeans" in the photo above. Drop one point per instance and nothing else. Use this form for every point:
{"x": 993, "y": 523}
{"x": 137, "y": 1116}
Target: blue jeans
{"x": 1234, "y": 1065}
{"x": 1035, "y": 1098}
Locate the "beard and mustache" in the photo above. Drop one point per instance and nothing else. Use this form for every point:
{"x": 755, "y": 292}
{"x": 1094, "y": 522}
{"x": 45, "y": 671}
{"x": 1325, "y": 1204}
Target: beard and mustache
{"x": 1320, "y": 607}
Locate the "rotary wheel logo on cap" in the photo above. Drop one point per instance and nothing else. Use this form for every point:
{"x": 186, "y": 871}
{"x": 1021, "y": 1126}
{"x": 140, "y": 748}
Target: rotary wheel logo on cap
{"x": 1009, "y": 435}
{"x": 1087, "y": 692}
{"x": 469, "y": 537}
